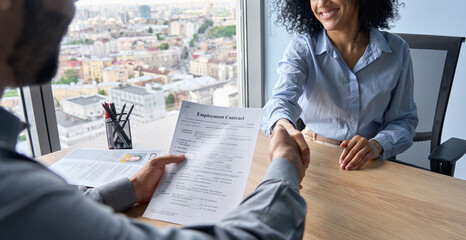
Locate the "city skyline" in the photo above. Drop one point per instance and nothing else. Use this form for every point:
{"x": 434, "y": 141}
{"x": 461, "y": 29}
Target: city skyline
{"x": 148, "y": 2}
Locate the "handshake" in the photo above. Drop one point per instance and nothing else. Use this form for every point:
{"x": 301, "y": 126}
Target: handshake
{"x": 290, "y": 146}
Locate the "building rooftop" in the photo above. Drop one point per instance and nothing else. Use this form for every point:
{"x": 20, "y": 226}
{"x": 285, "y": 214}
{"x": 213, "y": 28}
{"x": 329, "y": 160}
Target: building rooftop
{"x": 132, "y": 89}
{"x": 86, "y": 100}
{"x": 189, "y": 84}
{"x": 66, "y": 120}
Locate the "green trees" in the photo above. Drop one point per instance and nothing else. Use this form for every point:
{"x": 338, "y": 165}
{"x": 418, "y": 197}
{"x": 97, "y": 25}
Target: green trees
{"x": 163, "y": 46}
{"x": 204, "y": 26}
{"x": 159, "y": 36}
{"x": 70, "y": 76}
{"x": 170, "y": 100}
{"x": 194, "y": 40}
{"x": 222, "y": 31}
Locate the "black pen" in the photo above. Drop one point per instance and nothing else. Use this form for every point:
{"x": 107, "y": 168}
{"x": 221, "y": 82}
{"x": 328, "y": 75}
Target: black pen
{"x": 127, "y": 116}
{"x": 112, "y": 107}
{"x": 121, "y": 113}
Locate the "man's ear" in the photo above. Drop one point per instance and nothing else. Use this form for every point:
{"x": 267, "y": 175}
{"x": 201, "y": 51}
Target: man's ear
{"x": 5, "y": 5}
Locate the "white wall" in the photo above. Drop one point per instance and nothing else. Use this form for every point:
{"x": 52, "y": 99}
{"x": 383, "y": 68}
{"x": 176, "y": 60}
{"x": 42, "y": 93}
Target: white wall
{"x": 417, "y": 16}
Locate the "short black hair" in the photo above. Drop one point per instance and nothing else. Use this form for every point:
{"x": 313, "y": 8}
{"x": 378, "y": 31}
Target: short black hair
{"x": 297, "y": 15}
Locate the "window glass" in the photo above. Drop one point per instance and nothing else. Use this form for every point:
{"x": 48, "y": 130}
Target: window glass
{"x": 11, "y": 101}
{"x": 153, "y": 54}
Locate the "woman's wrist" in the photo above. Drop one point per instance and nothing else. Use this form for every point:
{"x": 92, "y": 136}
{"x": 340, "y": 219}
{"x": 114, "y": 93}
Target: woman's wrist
{"x": 378, "y": 146}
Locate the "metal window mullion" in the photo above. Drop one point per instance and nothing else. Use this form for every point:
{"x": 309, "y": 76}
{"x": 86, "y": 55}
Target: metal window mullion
{"x": 40, "y": 115}
{"x": 254, "y": 82}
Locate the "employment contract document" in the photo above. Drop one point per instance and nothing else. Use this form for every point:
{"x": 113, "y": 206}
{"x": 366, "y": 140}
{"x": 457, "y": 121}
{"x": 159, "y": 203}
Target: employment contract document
{"x": 219, "y": 146}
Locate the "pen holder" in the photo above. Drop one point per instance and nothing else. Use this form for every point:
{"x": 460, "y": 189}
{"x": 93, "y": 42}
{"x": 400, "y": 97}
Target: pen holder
{"x": 118, "y": 134}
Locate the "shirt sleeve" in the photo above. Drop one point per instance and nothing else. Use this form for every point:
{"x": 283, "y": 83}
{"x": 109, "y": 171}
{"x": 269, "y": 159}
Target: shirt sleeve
{"x": 119, "y": 194}
{"x": 292, "y": 73}
{"x": 47, "y": 208}
{"x": 400, "y": 118}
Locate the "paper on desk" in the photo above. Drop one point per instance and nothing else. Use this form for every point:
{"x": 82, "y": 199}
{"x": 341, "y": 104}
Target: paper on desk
{"x": 95, "y": 167}
{"x": 219, "y": 145}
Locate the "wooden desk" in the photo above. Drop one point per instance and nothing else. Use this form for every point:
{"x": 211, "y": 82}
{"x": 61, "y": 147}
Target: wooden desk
{"x": 385, "y": 200}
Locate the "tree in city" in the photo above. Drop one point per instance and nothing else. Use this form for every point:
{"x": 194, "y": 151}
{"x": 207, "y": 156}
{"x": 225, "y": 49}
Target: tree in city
{"x": 68, "y": 77}
{"x": 163, "y": 46}
{"x": 222, "y": 31}
{"x": 88, "y": 41}
{"x": 186, "y": 53}
{"x": 102, "y": 92}
{"x": 150, "y": 30}
{"x": 159, "y": 38}
{"x": 170, "y": 100}
{"x": 204, "y": 26}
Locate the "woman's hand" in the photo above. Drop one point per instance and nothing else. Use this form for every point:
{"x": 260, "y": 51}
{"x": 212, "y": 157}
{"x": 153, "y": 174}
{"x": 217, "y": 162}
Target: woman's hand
{"x": 357, "y": 151}
{"x": 298, "y": 137}
{"x": 145, "y": 180}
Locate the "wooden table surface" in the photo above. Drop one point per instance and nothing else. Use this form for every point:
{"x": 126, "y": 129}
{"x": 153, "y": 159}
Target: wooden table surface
{"x": 384, "y": 200}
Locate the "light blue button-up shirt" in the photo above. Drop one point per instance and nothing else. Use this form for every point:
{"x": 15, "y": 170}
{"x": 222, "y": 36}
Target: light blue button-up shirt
{"x": 373, "y": 100}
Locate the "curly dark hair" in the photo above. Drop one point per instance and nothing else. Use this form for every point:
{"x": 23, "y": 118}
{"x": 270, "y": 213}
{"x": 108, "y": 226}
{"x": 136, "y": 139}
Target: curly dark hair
{"x": 297, "y": 15}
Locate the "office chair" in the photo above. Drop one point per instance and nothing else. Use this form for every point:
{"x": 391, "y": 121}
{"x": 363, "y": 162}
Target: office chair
{"x": 434, "y": 64}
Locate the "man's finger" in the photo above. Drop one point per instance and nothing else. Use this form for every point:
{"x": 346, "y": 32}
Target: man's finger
{"x": 167, "y": 159}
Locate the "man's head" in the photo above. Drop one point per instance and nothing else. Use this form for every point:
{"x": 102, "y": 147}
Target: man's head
{"x": 31, "y": 32}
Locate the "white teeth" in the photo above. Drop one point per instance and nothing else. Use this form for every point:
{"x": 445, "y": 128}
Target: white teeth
{"x": 326, "y": 14}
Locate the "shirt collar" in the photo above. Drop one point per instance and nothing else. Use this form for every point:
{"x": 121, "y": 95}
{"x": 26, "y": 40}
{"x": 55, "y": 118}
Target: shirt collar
{"x": 11, "y": 128}
{"x": 323, "y": 43}
{"x": 377, "y": 43}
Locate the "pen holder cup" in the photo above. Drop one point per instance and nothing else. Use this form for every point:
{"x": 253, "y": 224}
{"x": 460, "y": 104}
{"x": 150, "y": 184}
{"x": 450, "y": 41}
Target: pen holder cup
{"x": 118, "y": 134}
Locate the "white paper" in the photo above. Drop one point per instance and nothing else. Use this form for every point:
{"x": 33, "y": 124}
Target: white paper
{"x": 219, "y": 146}
{"x": 94, "y": 167}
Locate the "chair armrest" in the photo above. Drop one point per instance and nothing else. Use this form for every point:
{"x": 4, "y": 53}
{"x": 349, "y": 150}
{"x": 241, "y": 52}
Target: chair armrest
{"x": 422, "y": 136}
{"x": 449, "y": 151}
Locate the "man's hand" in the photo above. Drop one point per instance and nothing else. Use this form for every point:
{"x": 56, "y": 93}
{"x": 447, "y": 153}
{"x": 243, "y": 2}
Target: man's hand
{"x": 357, "y": 152}
{"x": 145, "y": 180}
{"x": 283, "y": 145}
{"x": 297, "y": 137}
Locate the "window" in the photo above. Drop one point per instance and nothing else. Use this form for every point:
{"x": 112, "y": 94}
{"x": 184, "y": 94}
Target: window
{"x": 12, "y": 102}
{"x": 153, "y": 55}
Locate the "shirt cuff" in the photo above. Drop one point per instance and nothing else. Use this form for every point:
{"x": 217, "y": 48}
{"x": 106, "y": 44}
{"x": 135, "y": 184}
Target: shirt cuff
{"x": 118, "y": 194}
{"x": 284, "y": 171}
{"x": 386, "y": 146}
{"x": 273, "y": 120}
